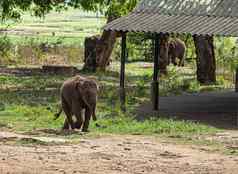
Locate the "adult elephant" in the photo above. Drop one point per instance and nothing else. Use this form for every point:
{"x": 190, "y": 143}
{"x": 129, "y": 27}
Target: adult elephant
{"x": 177, "y": 49}
{"x": 78, "y": 93}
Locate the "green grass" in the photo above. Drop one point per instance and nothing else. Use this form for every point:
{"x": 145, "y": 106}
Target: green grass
{"x": 51, "y": 40}
{"x": 70, "y": 27}
{"x": 29, "y": 82}
{"x": 28, "y": 118}
{"x": 29, "y": 103}
{"x": 128, "y": 125}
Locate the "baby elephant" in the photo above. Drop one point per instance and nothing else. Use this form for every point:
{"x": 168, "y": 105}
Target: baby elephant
{"x": 177, "y": 49}
{"x": 77, "y": 94}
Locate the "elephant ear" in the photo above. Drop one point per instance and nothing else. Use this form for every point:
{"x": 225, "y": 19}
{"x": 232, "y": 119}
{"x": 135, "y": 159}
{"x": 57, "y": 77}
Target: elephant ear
{"x": 79, "y": 86}
{"x": 93, "y": 83}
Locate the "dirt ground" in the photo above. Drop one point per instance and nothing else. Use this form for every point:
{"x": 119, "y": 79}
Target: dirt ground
{"x": 112, "y": 155}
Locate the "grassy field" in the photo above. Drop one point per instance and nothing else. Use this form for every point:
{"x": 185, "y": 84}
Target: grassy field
{"x": 29, "y": 103}
{"x": 71, "y": 26}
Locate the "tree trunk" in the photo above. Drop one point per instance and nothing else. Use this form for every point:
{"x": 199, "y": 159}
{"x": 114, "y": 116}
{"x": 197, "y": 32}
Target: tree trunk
{"x": 99, "y": 49}
{"x": 163, "y": 53}
{"x": 206, "y": 63}
{"x": 90, "y": 53}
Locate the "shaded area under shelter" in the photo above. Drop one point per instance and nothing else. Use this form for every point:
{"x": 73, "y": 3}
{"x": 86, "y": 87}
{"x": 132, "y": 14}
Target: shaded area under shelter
{"x": 219, "y": 109}
{"x": 195, "y": 17}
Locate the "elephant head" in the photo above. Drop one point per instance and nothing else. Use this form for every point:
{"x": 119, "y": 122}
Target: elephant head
{"x": 87, "y": 91}
{"x": 177, "y": 50}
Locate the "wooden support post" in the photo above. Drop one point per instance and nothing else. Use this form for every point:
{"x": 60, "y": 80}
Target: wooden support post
{"x": 236, "y": 82}
{"x": 236, "y": 90}
{"x": 237, "y": 115}
{"x": 122, "y": 73}
{"x": 155, "y": 83}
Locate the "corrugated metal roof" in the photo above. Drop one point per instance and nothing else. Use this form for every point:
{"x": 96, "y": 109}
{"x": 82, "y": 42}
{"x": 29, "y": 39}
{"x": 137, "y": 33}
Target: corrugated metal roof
{"x": 211, "y": 17}
{"x": 216, "y": 8}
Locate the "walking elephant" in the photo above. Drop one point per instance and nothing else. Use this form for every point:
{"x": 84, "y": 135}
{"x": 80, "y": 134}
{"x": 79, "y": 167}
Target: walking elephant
{"x": 77, "y": 94}
{"x": 177, "y": 49}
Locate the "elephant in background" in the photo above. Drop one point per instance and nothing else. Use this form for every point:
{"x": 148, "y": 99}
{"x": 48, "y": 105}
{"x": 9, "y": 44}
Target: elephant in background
{"x": 177, "y": 49}
{"x": 77, "y": 94}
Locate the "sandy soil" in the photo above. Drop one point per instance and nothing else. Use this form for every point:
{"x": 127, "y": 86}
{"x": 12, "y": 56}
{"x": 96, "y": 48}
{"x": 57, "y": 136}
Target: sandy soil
{"x": 112, "y": 155}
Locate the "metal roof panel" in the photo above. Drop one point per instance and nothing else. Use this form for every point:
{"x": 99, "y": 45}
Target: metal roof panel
{"x": 211, "y": 17}
{"x": 149, "y": 22}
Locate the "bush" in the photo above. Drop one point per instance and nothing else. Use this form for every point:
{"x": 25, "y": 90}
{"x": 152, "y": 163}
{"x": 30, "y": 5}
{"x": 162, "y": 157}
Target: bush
{"x": 5, "y": 46}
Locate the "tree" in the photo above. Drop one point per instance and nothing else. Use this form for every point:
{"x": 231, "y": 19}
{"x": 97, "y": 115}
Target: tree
{"x": 164, "y": 48}
{"x": 98, "y": 49}
{"x": 206, "y": 63}
{"x": 14, "y": 8}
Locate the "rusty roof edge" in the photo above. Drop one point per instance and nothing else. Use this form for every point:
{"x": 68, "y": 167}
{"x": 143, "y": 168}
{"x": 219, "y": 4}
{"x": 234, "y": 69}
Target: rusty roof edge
{"x": 185, "y": 15}
{"x": 181, "y": 14}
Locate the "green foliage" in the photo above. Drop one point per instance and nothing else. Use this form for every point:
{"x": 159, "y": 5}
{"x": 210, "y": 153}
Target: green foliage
{"x": 173, "y": 81}
{"x": 226, "y": 52}
{"x": 119, "y": 8}
{"x": 139, "y": 48}
{"x": 13, "y": 9}
{"x": 176, "y": 82}
{"x": 5, "y": 46}
{"x": 192, "y": 85}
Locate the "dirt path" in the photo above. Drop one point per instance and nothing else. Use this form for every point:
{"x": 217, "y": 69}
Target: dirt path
{"x": 113, "y": 155}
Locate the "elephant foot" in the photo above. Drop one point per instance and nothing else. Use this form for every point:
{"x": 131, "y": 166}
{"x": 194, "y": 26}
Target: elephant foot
{"x": 78, "y": 125}
{"x": 65, "y": 130}
{"x": 85, "y": 130}
{"x": 65, "y": 127}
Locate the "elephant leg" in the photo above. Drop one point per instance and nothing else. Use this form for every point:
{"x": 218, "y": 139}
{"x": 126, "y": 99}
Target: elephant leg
{"x": 88, "y": 114}
{"x": 68, "y": 120}
{"x": 66, "y": 124}
{"x": 77, "y": 111}
{"x": 169, "y": 58}
{"x": 181, "y": 62}
{"x": 174, "y": 61}
{"x": 94, "y": 113}
{"x": 79, "y": 121}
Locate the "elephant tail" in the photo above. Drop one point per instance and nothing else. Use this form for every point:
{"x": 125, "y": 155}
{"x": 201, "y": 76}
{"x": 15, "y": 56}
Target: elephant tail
{"x": 57, "y": 115}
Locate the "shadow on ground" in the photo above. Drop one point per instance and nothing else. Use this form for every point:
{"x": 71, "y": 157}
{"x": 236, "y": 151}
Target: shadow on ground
{"x": 54, "y": 132}
{"x": 219, "y": 109}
